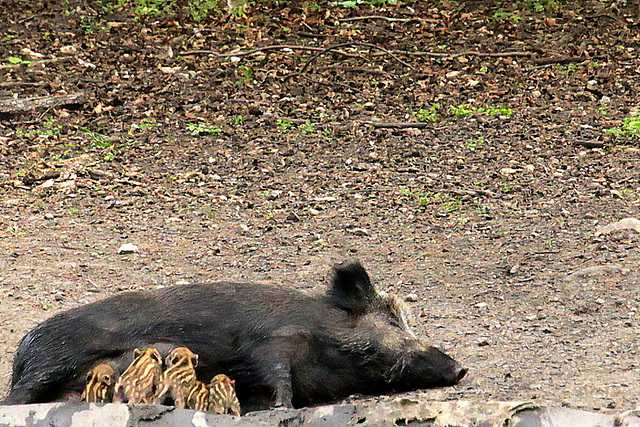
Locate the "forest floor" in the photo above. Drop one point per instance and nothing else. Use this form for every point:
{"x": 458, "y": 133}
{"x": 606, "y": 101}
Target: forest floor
{"x": 466, "y": 153}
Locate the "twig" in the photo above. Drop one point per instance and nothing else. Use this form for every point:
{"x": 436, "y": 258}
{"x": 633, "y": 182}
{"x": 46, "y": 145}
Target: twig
{"x": 537, "y": 67}
{"x": 36, "y": 63}
{"x": 353, "y": 69}
{"x": 492, "y": 54}
{"x": 399, "y": 125}
{"x": 465, "y": 53}
{"x": 373, "y": 46}
{"x": 386, "y": 18}
{"x": 558, "y": 60}
{"x": 261, "y": 49}
{"x": 11, "y": 105}
{"x": 10, "y": 84}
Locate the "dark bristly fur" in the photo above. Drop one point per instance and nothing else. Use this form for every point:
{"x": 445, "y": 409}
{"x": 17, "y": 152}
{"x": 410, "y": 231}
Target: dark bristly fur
{"x": 274, "y": 341}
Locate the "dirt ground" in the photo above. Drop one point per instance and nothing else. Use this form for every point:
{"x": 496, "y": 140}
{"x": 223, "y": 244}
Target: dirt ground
{"x": 221, "y": 161}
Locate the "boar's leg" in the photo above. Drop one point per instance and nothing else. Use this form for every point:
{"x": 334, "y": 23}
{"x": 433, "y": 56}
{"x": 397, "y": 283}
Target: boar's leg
{"x": 274, "y": 357}
{"x": 274, "y": 370}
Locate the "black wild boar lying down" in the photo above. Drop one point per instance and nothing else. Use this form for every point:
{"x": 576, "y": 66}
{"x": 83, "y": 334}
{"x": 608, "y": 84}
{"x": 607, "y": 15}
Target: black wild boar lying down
{"x": 282, "y": 347}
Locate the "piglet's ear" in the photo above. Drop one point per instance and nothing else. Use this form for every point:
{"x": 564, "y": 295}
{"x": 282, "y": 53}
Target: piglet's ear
{"x": 351, "y": 289}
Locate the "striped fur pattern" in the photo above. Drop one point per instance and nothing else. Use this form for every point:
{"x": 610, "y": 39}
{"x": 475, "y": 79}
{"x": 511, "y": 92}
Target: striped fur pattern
{"x": 100, "y": 385}
{"x": 179, "y": 380}
{"x": 198, "y": 397}
{"x": 140, "y": 382}
{"x": 222, "y": 395}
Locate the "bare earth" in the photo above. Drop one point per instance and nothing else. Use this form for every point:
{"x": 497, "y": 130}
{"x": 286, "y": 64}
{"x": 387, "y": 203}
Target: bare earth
{"x": 490, "y": 219}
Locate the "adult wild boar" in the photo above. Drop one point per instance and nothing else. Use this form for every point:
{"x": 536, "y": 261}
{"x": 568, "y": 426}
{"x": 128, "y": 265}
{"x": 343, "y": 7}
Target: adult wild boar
{"x": 282, "y": 347}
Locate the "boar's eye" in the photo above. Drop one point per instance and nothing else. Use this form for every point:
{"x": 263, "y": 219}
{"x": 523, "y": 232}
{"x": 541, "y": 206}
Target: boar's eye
{"x": 396, "y": 324}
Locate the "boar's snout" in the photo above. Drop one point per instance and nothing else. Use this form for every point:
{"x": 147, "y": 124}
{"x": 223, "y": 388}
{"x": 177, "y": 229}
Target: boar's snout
{"x": 431, "y": 367}
{"x": 459, "y": 374}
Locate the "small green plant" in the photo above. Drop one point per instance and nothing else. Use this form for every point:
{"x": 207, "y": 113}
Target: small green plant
{"x": 421, "y": 199}
{"x": 507, "y": 188}
{"x": 346, "y": 3}
{"x": 461, "y": 111}
{"x": 284, "y": 125}
{"x": 246, "y": 75}
{"x": 97, "y": 139}
{"x": 567, "y": 69}
{"x": 144, "y": 8}
{"x": 18, "y": 61}
{"x": 473, "y": 143}
{"x": 502, "y": 15}
{"x": 147, "y": 124}
{"x": 540, "y": 5}
{"x": 630, "y": 127}
{"x": 502, "y": 111}
{"x": 197, "y": 129}
{"x": 91, "y": 27}
{"x": 484, "y": 70}
{"x": 430, "y": 115}
{"x": 307, "y": 127}
{"x": 51, "y": 128}
{"x": 202, "y": 9}
{"x": 312, "y": 6}
{"x": 424, "y": 200}
{"x": 237, "y": 120}
{"x": 239, "y": 8}
{"x": 451, "y": 205}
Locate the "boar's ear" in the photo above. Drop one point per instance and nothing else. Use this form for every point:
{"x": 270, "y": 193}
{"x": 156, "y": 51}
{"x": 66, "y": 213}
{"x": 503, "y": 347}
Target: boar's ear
{"x": 351, "y": 289}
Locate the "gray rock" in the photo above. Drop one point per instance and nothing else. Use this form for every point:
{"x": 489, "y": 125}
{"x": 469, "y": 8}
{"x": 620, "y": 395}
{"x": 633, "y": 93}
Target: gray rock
{"x": 415, "y": 410}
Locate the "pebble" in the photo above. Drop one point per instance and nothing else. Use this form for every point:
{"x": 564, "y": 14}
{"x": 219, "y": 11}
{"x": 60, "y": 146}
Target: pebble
{"x": 128, "y": 248}
{"x": 411, "y": 298}
{"x": 359, "y": 232}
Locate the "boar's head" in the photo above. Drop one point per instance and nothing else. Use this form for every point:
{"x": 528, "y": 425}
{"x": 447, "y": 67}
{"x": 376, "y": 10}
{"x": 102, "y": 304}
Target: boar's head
{"x": 383, "y": 339}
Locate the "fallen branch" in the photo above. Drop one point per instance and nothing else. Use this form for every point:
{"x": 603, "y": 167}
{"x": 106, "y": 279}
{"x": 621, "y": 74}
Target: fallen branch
{"x": 466, "y": 53}
{"x": 353, "y": 69}
{"x": 11, "y": 84}
{"x": 12, "y": 105}
{"x": 386, "y": 18}
{"x": 369, "y": 45}
{"x": 262, "y": 49}
{"x": 537, "y": 67}
{"x": 37, "y": 63}
{"x": 558, "y": 60}
{"x": 392, "y": 53}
